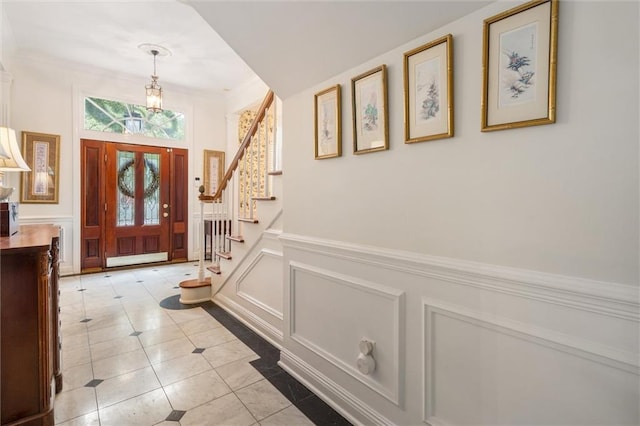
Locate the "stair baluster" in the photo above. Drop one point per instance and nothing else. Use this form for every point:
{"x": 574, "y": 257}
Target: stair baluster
{"x": 267, "y": 157}
{"x": 275, "y": 165}
{"x": 227, "y": 222}
{"x": 258, "y": 163}
{"x": 245, "y": 183}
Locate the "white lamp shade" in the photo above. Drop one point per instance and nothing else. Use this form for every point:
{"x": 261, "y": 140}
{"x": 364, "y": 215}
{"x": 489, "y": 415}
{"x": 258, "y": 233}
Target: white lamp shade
{"x": 9, "y": 143}
{"x": 3, "y": 153}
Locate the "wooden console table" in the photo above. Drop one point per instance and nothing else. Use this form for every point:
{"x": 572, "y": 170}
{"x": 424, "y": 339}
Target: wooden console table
{"x": 30, "y": 367}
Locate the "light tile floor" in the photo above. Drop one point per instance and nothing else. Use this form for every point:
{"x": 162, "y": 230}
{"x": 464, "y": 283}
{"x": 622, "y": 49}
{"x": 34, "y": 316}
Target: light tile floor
{"x": 128, "y": 361}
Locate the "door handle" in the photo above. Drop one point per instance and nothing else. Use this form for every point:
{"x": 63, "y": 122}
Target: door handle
{"x": 165, "y": 206}
{"x": 165, "y": 214}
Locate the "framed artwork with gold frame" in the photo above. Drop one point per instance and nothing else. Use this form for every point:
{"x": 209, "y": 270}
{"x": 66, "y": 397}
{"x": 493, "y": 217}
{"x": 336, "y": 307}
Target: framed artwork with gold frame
{"x": 41, "y": 152}
{"x": 519, "y": 66}
{"x": 328, "y": 123}
{"x": 370, "y": 113}
{"x": 213, "y": 170}
{"x": 428, "y": 91}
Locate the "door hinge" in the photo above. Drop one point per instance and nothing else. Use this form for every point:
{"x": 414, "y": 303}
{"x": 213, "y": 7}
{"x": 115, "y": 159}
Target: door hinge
{"x": 105, "y": 158}
{"x": 105, "y": 207}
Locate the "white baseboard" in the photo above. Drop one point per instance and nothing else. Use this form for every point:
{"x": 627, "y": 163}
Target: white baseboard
{"x": 265, "y": 330}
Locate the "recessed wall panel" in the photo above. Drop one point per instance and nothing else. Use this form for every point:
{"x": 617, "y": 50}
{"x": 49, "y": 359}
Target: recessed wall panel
{"x": 323, "y": 302}
{"x": 482, "y": 372}
{"x": 256, "y": 283}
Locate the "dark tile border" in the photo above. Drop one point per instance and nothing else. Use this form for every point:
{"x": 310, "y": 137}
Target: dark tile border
{"x": 318, "y": 411}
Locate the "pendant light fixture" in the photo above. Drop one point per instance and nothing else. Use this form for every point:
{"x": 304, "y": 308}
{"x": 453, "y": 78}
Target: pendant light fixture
{"x": 153, "y": 90}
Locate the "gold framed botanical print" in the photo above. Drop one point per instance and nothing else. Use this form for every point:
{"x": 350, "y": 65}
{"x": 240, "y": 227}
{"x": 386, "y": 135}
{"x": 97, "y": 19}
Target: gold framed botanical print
{"x": 370, "y": 114}
{"x": 213, "y": 170}
{"x": 428, "y": 91}
{"x": 519, "y": 66}
{"x": 41, "y": 152}
{"x": 328, "y": 123}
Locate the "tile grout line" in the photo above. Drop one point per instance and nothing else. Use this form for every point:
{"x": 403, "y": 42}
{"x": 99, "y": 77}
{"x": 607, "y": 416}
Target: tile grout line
{"x": 146, "y": 354}
{"x": 93, "y": 374}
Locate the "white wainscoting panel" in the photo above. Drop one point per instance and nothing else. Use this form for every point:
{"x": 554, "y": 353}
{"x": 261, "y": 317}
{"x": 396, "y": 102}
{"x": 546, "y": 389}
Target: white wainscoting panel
{"x": 485, "y": 370}
{"x": 331, "y": 313}
{"x": 260, "y": 282}
{"x": 478, "y": 344}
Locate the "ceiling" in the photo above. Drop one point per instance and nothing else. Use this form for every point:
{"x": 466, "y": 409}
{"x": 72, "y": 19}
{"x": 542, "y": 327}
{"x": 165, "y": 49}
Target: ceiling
{"x": 106, "y": 35}
{"x": 290, "y": 45}
{"x": 293, "y": 45}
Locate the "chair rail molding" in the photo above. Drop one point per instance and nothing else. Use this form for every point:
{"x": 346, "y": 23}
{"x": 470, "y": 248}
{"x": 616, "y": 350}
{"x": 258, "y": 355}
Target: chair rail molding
{"x": 606, "y": 298}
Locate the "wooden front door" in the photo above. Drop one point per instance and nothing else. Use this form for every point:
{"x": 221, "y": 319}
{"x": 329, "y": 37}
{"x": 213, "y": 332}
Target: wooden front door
{"x": 137, "y": 205}
{"x": 134, "y": 204}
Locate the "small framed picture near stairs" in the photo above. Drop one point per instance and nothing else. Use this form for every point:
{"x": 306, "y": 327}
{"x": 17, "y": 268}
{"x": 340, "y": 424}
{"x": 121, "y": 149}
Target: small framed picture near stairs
{"x": 213, "y": 170}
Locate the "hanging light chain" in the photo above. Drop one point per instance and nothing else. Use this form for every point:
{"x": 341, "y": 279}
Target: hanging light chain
{"x": 154, "y": 53}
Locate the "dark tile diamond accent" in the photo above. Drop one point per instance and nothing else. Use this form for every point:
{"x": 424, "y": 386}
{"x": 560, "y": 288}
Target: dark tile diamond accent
{"x": 118, "y": 297}
{"x": 176, "y": 287}
{"x": 86, "y": 320}
{"x": 140, "y": 281}
{"x": 93, "y": 383}
{"x": 198, "y": 351}
{"x": 188, "y": 273}
{"x": 82, "y": 289}
{"x": 136, "y": 333}
{"x": 175, "y": 416}
{"x": 107, "y": 276}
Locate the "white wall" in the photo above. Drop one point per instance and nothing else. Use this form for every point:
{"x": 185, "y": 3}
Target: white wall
{"x": 6, "y": 46}
{"x": 497, "y": 272}
{"x": 47, "y": 98}
{"x": 560, "y": 198}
